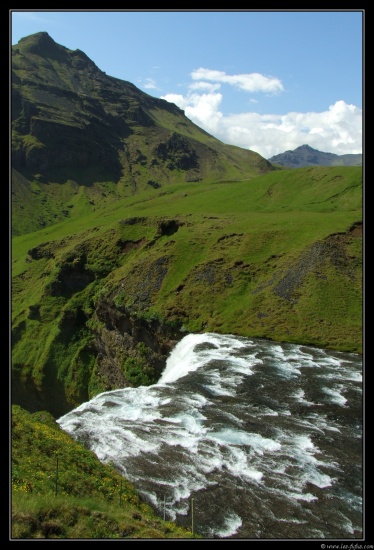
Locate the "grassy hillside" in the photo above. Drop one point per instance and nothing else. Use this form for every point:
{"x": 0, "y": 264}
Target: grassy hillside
{"x": 277, "y": 257}
{"x": 60, "y": 490}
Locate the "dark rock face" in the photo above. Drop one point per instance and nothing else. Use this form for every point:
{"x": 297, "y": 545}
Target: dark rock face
{"x": 145, "y": 281}
{"x": 74, "y": 114}
{"x": 119, "y": 338}
{"x": 177, "y": 151}
{"x": 71, "y": 280}
{"x": 44, "y": 46}
{"x": 332, "y": 249}
{"x": 168, "y": 227}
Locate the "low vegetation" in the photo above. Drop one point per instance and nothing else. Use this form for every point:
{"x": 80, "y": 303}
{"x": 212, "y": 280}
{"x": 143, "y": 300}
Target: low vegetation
{"x": 60, "y": 490}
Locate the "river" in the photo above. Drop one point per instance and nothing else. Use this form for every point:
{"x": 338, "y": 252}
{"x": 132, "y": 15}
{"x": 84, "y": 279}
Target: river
{"x": 246, "y": 438}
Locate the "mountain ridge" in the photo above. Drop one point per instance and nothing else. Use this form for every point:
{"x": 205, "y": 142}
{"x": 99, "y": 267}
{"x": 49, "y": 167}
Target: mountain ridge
{"x": 72, "y": 122}
{"x": 307, "y": 156}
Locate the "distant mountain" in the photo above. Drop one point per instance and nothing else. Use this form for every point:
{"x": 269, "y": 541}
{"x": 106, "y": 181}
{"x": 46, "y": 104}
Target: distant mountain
{"x": 307, "y": 156}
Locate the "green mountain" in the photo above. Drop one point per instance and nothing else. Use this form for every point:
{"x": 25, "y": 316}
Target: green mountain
{"x": 132, "y": 226}
{"x": 307, "y": 156}
{"x": 98, "y": 135}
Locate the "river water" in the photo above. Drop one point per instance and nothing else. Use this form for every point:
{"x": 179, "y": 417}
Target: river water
{"x": 240, "y": 438}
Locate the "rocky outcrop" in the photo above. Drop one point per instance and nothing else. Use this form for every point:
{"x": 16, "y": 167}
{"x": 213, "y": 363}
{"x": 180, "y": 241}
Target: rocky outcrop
{"x": 331, "y": 250}
{"x": 177, "y": 152}
{"x": 122, "y": 339}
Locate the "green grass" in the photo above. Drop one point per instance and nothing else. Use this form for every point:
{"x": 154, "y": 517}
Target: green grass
{"x": 255, "y": 258}
{"x": 281, "y": 192}
{"x": 263, "y": 224}
{"x": 60, "y": 490}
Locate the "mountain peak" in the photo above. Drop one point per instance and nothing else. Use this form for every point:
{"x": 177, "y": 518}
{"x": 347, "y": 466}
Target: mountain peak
{"x": 40, "y": 39}
{"x": 305, "y": 147}
{"x": 41, "y": 44}
{"x": 305, "y": 155}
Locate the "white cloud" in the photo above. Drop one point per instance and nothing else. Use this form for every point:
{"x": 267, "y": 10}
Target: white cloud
{"x": 252, "y": 82}
{"x": 337, "y": 130}
{"x": 150, "y": 84}
{"x": 179, "y": 100}
{"x": 201, "y": 109}
{"x": 204, "y": 86}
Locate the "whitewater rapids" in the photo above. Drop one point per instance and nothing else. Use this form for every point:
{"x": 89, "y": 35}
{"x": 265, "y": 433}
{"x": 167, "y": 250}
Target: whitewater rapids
{"x": 265, "y": 437}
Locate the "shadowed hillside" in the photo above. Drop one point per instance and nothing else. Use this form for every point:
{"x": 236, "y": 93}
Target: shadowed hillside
{"x": 101, "y": 137}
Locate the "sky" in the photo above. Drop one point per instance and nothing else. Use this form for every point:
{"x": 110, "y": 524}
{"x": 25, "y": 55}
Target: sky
{"x": 268, "y": 81}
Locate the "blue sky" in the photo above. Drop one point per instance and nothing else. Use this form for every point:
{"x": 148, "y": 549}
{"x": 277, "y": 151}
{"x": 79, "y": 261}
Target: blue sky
{"x": 268, "y": 81}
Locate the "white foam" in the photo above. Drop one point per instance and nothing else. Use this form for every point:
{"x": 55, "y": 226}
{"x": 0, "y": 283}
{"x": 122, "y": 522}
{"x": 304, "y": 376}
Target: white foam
{"x": 288, "y": 370}
{"x": 317, "y": 478}
{"x": 218, "y": 391}
{"x": 336, "y": 396}
{"x": 269, "y": 412}
{"x": 303, "y": 451}
{"x": 308, "y": 497}
{"x": 328, "y": 360}
{"x": 124, "y": 443}
{"x": 342, "y": 375}
{"x": 231, "y": 524}
{"x": 233, "y": 418}
{"x": 196, "y": 400}
{"x": 238, "y": 462}
{"x": 210, "y": 460}
{"x": 181, "y": 437}
{"x": 349, "y": 527}
{"x": 235, "y": 437}
{"x": 319, "y": 422}
{"x": 292, "y": 520}
{"x": 299, "y": 395}
{"x": 182, "y": 359}
{"x": 304, "y": 443}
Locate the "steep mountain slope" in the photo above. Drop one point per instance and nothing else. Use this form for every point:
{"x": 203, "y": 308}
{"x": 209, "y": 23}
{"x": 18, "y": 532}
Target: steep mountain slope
{"x": 101, "y": 137}
{"x": 307, "y": 156}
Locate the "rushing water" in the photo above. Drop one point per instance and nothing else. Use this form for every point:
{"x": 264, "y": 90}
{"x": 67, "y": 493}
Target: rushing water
{"x": 266, "y": 438}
